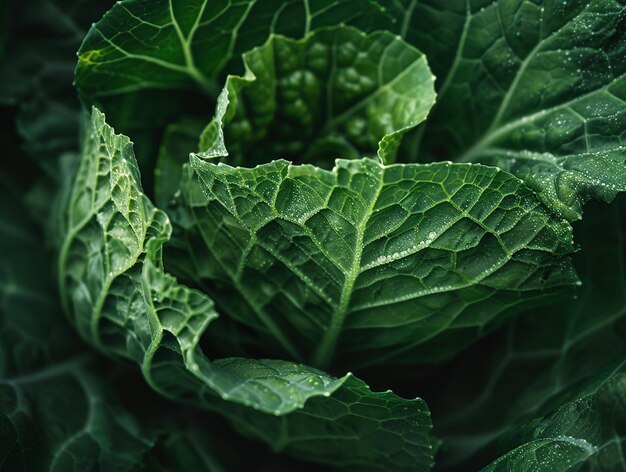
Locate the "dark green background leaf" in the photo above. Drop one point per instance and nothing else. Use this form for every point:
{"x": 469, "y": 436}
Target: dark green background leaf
{"x": 56, "y": 414}
{"x": 586, "y": 434}
{"x": 537, "y": 88}
{"x": 545, "y": 357}
{"x": 37, "y": 71}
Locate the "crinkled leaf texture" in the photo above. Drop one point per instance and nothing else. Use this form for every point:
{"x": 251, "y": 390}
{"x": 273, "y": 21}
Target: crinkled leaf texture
{"x": 337, "y": 92}
{"x": 56, "y": 414}
{"x": 537, "y": 88}
{"x": 379, "y": 262}
{"x": 370, "y": 262}
{"x": 141, "y": 44}
{"x": 60, "y": 405}
{"x": 120, "y": 300}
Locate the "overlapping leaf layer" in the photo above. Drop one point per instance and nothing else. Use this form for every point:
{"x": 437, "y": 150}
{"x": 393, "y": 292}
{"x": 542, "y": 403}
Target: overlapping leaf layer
{"x": 335, "y": 206}
{"x": 122, "y": 301}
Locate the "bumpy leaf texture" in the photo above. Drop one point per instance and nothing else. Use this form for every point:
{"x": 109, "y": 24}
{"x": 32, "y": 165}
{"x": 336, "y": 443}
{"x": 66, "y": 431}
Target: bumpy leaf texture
{"x": 376, "y": 261}
{"x": 121, "y": 300}
{"x": 336, "y": 92}
{"x": 163, "y": 44}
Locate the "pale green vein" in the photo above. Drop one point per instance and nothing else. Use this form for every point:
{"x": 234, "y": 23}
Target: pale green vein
{"x": 327, "y": 346}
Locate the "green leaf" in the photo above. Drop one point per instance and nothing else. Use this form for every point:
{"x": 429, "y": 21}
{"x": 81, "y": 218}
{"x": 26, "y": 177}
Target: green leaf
{"x": 336, "y": 92}
{"x": 370, "y": 263}
{"x": 59, "y": 403}
{"x": 162, "y": 44}
{"x": 537, "y": 88}
{"x": 560, "y": 453}
{"x": 146, "y": 63}
{"x": 586, "y": 434}
{"x": 56, "y": 413}
{"x": 121, "y": 300}
{"x": 544, "y": 358}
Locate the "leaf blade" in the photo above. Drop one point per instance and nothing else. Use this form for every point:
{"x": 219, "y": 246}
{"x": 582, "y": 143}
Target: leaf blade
{"x": 547, "y": 101}
{"x": 123, "y": 302}
{"x": 303, "y": 223}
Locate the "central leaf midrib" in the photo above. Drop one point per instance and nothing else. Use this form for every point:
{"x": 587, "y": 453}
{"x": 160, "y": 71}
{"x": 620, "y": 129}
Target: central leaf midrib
{"x": 496, "y": 128}
{"x": 273, "y": 328}
{"x": 326, "y": 349}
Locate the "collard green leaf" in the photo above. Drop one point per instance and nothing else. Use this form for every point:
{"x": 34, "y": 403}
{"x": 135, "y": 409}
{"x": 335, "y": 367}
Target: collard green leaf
{"x": 55, "y": 413}
{"x": 164, "y": 44}
{"x": 121, "y": 300}
{"x": 368, "y": 262}
{"x": 60, "y": 408}
{"x": 537, "y": 88}
{"x": 337, "y": 92}
{"x": 546, "y": 357}
{"x": 586, "y": 434}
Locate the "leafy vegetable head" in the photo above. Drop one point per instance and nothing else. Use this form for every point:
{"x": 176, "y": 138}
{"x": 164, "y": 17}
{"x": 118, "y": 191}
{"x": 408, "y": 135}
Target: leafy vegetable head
{"x": 339, "y": 186}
